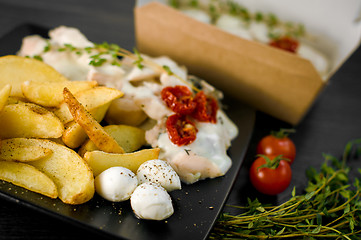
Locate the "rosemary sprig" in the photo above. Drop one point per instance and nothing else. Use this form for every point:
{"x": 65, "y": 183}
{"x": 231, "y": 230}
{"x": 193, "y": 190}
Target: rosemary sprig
{"x": 329, "y": 208}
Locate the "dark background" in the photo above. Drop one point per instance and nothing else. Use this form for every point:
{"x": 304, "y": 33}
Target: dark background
{"x": 333, "y": 120}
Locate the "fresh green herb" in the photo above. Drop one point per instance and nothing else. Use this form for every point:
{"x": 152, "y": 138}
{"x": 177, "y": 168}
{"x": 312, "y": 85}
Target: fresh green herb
{"x": 212, "y": 9}
{"x": 329, "y": 208}
{"x": 168, "y": 70}
{"x": 187, "y": 151}
{"x": 174, "y": 3}
{"x": 38, "y": 57}
{"x": 258, "y": 17}
{"x": 139, "y": 60}
{"x": 194, "y": 3}
{"x": 47, "y": 47}
{"x": 97, "y": 60}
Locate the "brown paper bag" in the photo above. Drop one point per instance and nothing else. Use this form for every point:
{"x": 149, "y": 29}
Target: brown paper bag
{"x": 271, "y": 80}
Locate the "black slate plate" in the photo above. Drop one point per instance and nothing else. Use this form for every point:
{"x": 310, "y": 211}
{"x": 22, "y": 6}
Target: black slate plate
{"x": 196, "y": 206}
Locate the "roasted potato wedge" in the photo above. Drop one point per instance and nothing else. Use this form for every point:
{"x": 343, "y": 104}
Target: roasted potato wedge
{"x": 29, "y": 120}
{"x": 90, "y": 99}
{"x": 74, "y": 135}
{"x": 27, "y": 176}
{"x": 92, "y": 128}
{"x": 100, "y": 161}
{"x": 14, "y": 149}
{"x": 125, "y": 111}
{"x": 15, "y": 100}
{"x": 128, "y": 137}
{"x": 70, "y": 173}
{"x": 4, "y": 96}
{"x": 15, "y": 70}
{"x": 50, "y": 94}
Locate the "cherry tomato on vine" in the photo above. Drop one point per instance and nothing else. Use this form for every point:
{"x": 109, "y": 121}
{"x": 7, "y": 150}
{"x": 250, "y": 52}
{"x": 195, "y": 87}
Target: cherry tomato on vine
{"x": 278, "y": 143}
{"x": 270, "y": 175}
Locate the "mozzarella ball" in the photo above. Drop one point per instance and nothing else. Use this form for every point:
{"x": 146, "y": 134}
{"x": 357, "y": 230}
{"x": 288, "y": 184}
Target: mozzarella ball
{"x": 116, "y": 184}
{"x": 151, "y": 201}
{"x": 159, "y": 171}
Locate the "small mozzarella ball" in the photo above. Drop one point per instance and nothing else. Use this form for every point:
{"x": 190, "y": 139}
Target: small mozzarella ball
{"x": 159, "y": 171}
{"x": 151, "y": 201}
{"x": 116, "y": 184}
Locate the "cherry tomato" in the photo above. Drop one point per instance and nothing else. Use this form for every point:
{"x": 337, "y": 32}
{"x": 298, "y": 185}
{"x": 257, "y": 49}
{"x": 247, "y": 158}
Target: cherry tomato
{"x": 206, "y": 110}
{"x": 285, "y": 43}
{"x": 179, "y": 99}
{"x": 181, "y": 130}
{"x": 270, "y": 175}
{"x": 277, "y": 144}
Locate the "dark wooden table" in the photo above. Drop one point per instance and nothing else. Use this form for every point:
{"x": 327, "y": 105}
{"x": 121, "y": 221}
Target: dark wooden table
{"x": 333, "y": 120}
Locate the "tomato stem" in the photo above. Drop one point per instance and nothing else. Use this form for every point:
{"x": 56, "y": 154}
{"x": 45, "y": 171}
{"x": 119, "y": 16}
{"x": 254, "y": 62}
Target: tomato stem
{"x": 272, "y": 163}
{"x": 283, "y": 132}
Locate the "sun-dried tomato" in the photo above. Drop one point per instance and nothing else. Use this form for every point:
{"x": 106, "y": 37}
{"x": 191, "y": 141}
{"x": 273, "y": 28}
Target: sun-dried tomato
{"x": 179, "y": 99}
{"x": 285, "y": 43}
{"x": 181, "y": 130}
{"x": 206, "y": 109}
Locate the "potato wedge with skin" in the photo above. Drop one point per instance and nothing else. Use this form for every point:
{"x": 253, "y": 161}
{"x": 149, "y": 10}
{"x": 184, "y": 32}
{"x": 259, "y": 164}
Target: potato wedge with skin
{"x": 128, "y": 137}
{"x": 14, "y": 100}
{"x": 70, "y": 173}
{"x": 92, "y": 128}
{"x": 74, "y": 135}
{"x": 4, "y": 96}
{"x": 100, "y": 161}
{"x": 14, "y": 149}
{"x": 50, "y": 94}
{"x": 28, "y": 177}
{"x": 125, "y": 111}
{"x": 15, "y": 70}
{"x": 29, "y": 120}
{"x": 90, "y": 99}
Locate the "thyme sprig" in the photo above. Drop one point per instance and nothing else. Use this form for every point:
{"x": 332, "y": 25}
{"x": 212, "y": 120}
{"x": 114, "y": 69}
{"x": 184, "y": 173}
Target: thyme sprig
{"x": 329, "y": 208}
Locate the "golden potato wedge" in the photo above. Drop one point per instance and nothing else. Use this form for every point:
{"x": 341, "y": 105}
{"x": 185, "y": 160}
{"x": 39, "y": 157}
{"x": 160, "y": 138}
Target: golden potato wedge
{"x": 4, "y": 96}
{"x": 92, "y": 128}
{"x": 125, "y": 111}
{"x": 100, "y": 161}
{"x": 14, "y": 100}
{"x": 90, "y": 99}
{"x": 74, "y": 135}
{"x": 14, "y": 149}
{"x": 15, "y": 70}
{"x": 50, "y": 94}
{"x": 28, "y": 177}
{"x": 70, "y": 173}
{"x": 128, "y": 137}
{"x": 29, "y": 120}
